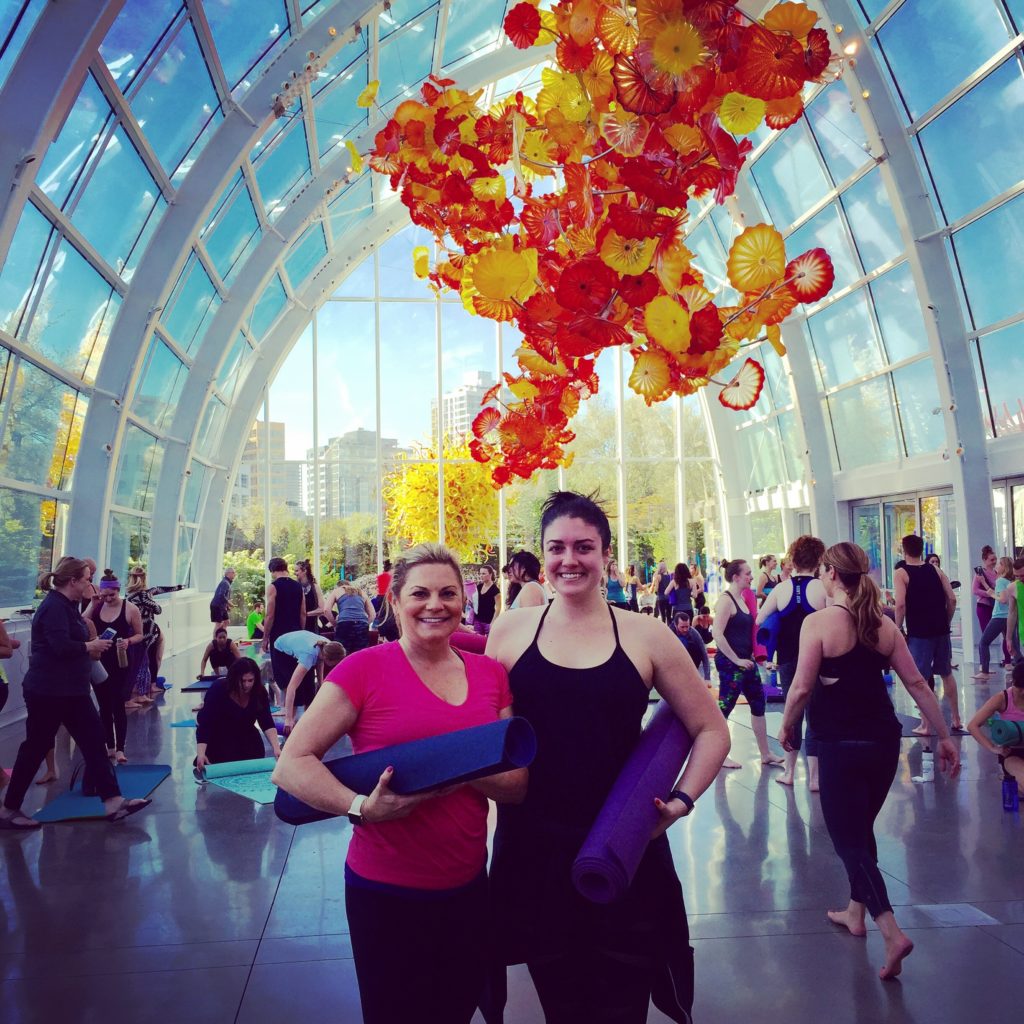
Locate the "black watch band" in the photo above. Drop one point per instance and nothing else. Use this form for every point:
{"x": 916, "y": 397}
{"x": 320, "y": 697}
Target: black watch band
{"x": 678, "y": 794}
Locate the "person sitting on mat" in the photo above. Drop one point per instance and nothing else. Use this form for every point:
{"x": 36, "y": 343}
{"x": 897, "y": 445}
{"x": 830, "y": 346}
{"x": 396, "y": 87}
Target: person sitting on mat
{"x": 56, "y": 688}
{"x": 221, "y": 653}
{"x": 224, "y": 726}
{"x": 310, "y": 651}
{"x": 581, "y": 672}
{"x": 1009, "y": 704}
{"x": 415, "y": 878}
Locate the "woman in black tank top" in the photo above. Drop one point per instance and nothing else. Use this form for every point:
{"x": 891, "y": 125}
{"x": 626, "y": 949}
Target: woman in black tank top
{"x": 843, "y": 652}
{"x": 581, "y": 672}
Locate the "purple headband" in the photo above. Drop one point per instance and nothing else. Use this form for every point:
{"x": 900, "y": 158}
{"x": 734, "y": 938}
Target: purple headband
{"x": 114, "y": 584}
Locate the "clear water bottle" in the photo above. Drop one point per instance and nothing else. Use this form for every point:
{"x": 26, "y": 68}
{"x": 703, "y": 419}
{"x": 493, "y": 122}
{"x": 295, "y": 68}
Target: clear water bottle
{"x": 1011, "y": 796}
{"x": 927, "y": 768}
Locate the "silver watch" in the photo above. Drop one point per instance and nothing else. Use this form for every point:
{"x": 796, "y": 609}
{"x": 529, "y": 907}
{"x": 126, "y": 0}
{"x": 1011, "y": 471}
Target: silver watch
{"x": 355, "y": 811}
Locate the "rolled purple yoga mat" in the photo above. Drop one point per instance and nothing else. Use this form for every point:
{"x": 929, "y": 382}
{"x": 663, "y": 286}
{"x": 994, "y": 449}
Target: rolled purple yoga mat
{"x": 611, "y": 853}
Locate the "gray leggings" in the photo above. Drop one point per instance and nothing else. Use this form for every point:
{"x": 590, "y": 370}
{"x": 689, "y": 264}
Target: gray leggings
{"x": 995, "y": 628}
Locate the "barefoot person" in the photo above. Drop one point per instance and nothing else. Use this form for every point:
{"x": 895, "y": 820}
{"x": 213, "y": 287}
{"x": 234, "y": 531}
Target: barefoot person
{"x": 1009, "y": 704}
{"x": 733, "y": 630}
{"x": 581, "y": 672}
{"x": 843, "y": 652}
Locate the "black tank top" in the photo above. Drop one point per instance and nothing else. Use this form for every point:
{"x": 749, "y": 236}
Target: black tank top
{"x": 108, "y": 659}
{"x": 739, "y": 630}
{"x": 221, "y": 658}
{"x": 663, "y": 582}
{"x": 587, "y": 722}
{"x": 856, "y": 706}
{"x": 791, "y": 618}
{"x": 485, "y": 602}
{"x": 289, "y": 607}
{"x": 926, "y": 602}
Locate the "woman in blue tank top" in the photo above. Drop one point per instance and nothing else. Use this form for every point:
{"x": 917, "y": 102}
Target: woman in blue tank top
{"x": 581, "y": 672}
{"x": 843, "y": 652}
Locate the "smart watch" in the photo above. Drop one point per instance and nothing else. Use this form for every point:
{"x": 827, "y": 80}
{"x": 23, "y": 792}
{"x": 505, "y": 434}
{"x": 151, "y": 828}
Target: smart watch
{"x": 355, "y": 811}
{"x": 678, "y": 794}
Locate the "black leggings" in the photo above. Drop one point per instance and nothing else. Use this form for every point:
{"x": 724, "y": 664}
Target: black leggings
{"x": 855, "y": 777}
{"x": 592, "y": 988}
{"x": 110, "y": 696}
{"x": 419, "y": 957}
{"x": 45, "y": 716}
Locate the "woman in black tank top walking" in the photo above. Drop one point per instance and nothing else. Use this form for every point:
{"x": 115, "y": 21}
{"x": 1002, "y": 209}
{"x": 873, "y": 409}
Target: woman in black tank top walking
{"x": 581, "y": 672}
{"x": 733, "y": 630}
{"x": 843, "y": 652}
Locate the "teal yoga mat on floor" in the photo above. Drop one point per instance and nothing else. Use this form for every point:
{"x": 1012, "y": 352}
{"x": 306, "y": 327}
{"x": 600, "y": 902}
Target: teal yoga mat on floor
{"x": 136, "y": 781}
{"x": 250, "y": 779}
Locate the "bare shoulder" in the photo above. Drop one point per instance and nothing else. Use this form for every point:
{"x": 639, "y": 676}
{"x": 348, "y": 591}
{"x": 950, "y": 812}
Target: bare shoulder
{"x": 511, "y": 634}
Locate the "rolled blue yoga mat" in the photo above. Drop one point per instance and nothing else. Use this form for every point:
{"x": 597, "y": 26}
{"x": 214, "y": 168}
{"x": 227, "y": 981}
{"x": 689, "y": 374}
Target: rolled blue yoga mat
{"x": 1006, "y": 734}
{"x": 429, "y": 763}
{"x": 611, "y": 853}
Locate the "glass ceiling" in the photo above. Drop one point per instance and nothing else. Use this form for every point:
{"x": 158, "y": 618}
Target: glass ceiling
{"x": 168, "y": 76}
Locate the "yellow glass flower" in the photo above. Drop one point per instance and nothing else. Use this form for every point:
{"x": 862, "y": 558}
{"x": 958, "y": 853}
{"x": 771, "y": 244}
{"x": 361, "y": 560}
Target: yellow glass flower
{"x": 597, "y": 80}
{"x": 421, "y": 261}
{"x": 670, "y": 266}
{"x": 617, "y": 27}
{"x": 650, "y": 377}
{"x": 677, "y": 47}
{"x": 740, "y": 114}
{"x": 500, "y": 273}
{"x": 668, "y": 324}
{"x": 368, "y": 95}
{"x": 796, "y": 19}
{"x": 537, "y": 151}
{"x": 492, "y": 189}
{"x": 356, "y": 159}
{"x": 625, "y": 132}
{"x": 630, "y": 256}
{"x": 683, "y": 138}
{"x": 757, "y": 259}
{"x": 563, "y": 92}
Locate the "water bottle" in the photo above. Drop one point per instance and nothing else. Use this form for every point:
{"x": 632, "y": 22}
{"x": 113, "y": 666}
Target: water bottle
{"x": 1011, "y": 796}
{"x": 927, "y": 768}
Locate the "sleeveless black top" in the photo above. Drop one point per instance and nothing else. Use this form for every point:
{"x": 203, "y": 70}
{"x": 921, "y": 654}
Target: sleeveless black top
{"x": 926, "y": 602}
{"x": 587, "y": 722}
{"x": 289, "y": 607}
{"x": 849, "y": 700}
{"x": 485, "y": 603}
{"x": 739, "y": 630}
{"x": 791, "y": 618}
{"x": 108, "y": 659}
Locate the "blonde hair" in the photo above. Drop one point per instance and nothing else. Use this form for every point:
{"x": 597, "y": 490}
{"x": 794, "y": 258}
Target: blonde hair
{"x": 66, "y": 571}
{"x": 136, "y": 580}
{"x": 1005, "y": 567}
{"x": 348, "y": 589}
{"x": 863, "y": 597}
{"x": 422, "y": 554}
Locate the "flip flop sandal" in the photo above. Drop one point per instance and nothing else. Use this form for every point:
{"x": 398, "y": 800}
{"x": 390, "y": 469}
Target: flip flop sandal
{"x": 126, "y": 811}
{"x": 12, "y": 824}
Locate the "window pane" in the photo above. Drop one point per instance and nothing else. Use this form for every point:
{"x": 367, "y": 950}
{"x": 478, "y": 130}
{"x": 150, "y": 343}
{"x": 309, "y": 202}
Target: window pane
{"x": 142, "y": 242}
{"x": 235, "y": 235}
{"x": 337, "y": 116}
{"x": 72, "y": 322}
{"x": 899, "y": 314}
{"x": 133, "y": 36}
{"x": 981, "y": 116}
{"x": 306, "y": 255}
{"x": 792, "y": 445}
{"x": 1002, "y": 355}
{"x": 119, "y": 182}
{"x": 838, "y": 131}
{"x": 235, "y": 368}
{"x": 141, "y": 457}
{"x": 406, "y": 59}
{"x": 648, "y": 433}
{"x": 988, "y": 252}
{"x": 283, "y": 168}
{"x": 192, "y": 306}
{"x": 129, "y": 543}
{"x": 190, "y": 506}
{"x": 776, "y": 376}
{"x": 844, "y": 340}
{"x": 917, "y": 399}
{"x": 401, "y": 12}
{"x": 342, "y": 60}
{"x": 789, "y": 176}
{"x": 162, "y": 379}
{"x": 395, "y": 260}
{"x": 33, "y": 542}
{"x": 826, "y": 230}
{"x": 473, "y": 30}
{"x": 408, "y": 368}
{"x": 871, "y": 221}
{"x": 354, "y": 205}
{"x": 243, "y": 33}
{"x": 16, "y": 23}
{"x": 594, "y": 425}
{"x": 862, "y": 424}
{"x": 211, "y": 427}
{"x": 176, "y": 101}
{"x": 183, "y": 560}
{"x": 18, "y": 273}
{"x": 268, "y": 307}
{"x": 761, "y": 461}
{"x": 469, "y": 363}
{"x": 958, "y": 36}
{"x": 651, "y": 515}
{"x": 68, "y": 153}
{"x": 706, "y": 245}
{"x": 43, "y": 429}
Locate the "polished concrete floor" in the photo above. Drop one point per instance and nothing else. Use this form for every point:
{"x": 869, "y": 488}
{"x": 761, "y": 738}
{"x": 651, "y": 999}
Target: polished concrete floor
{"x": 206, "y": 908}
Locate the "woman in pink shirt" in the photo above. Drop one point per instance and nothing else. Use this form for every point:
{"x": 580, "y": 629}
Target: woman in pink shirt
{"x": 415, "y": 879}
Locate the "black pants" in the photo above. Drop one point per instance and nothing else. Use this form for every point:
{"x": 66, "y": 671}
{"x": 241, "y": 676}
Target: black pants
{"x": 5, "y": 691}
{"x": 110, "y": 696}
{"x": 45, "y": 716}
{"x": 662, "y": 609}
{"x": 593, "y": 989}
{"x": 283, "y": 665}
{"x": 419, "y": 960}
{"x": 352, "y": 634}
{"x": 855, "y": 777}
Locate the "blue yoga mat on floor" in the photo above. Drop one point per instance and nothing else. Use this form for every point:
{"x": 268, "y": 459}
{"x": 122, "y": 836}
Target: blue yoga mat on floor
{"x": 430, "y": 763}
{"x": 187, "y": 723}
{"x": 250, "y": 779}
{"x": 200, "y": 685}
{"x": 136, "y": 781}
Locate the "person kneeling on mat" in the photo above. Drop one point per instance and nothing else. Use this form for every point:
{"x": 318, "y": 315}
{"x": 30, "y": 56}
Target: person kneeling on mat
{"x": 310, "y": 651}
{"x": 225, "y": 722}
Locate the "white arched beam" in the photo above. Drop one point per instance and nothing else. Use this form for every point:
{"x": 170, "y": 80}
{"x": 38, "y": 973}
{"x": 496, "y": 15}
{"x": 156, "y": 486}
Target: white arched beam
{"x": 162, "y": 262}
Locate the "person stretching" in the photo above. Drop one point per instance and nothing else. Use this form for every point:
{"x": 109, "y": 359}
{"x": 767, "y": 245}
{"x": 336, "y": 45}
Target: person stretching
{"x": 1009, "y": 703}
{"x": 224, "y": 727}
{"x": 310, "y": 651}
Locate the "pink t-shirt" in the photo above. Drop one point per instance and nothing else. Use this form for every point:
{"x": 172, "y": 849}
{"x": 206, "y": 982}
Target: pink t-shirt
{"x": 443, "y": 843}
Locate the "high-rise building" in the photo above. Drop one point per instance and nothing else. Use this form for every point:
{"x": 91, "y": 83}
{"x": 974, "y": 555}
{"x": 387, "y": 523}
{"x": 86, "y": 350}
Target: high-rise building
{"x": 461, "y": 404}
{"x": 347, "y": 467}
{"x": 285, "y": 481}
